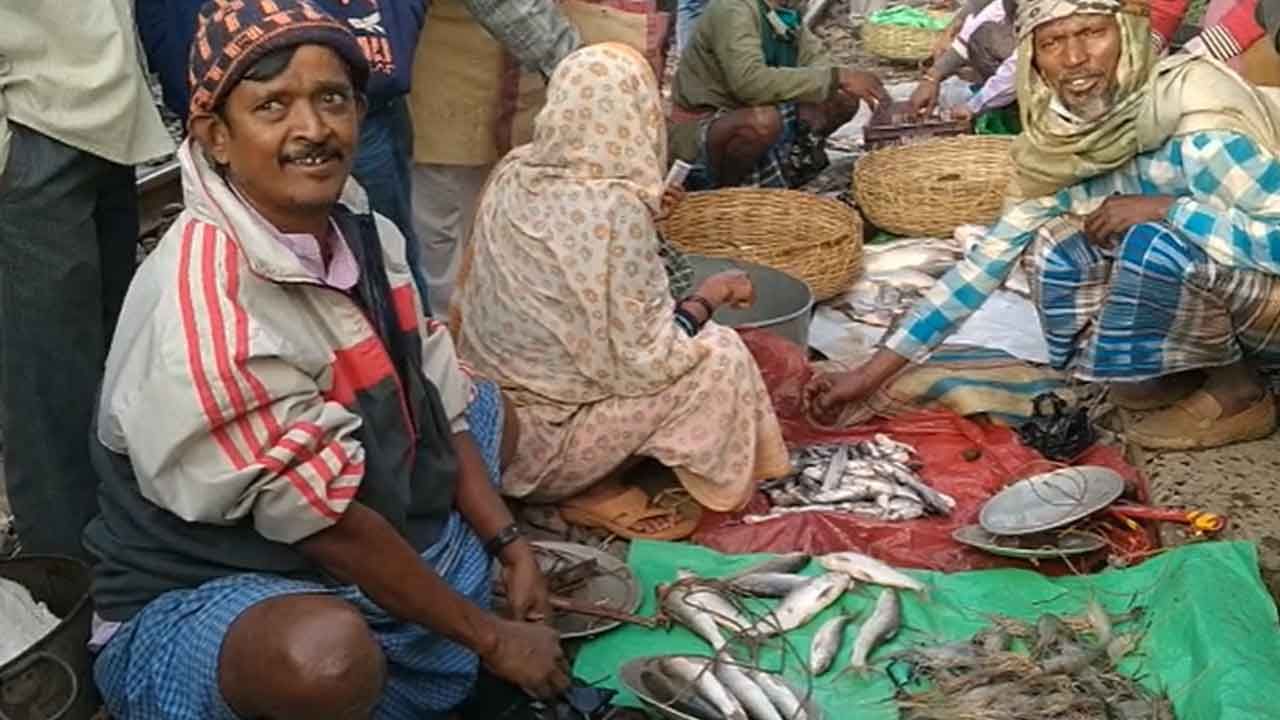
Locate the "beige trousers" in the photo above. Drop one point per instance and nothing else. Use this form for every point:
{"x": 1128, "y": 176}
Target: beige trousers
{"x": 444, "y": 204}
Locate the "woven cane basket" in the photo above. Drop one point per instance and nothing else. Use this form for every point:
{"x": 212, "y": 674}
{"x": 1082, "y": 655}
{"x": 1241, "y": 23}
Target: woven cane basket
{"x": 815, "y": 239}
{"x": 931, "y": 187}
{"x": 898, "y": 43}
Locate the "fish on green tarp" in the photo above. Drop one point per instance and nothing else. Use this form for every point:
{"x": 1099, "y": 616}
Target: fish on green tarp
{"x": 1210, "y": 636}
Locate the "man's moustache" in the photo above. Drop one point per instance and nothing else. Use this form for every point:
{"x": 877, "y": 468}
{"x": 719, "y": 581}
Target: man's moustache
{"x": 311, "y": 151}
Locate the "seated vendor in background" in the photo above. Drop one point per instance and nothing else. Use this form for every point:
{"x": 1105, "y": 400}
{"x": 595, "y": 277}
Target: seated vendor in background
{"x": 1146, "y": 213}
{"x": 755, "y": 96}
{"x": 985, "y": 43}
{"x": 298, "y": 502}
{"x": 566, "y": 304}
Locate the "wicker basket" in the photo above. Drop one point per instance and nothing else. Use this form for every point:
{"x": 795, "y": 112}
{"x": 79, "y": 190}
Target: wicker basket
{"x": 929, "y": 188}
{"x": 897, "y": 43}
{"x": 818, "y": 240}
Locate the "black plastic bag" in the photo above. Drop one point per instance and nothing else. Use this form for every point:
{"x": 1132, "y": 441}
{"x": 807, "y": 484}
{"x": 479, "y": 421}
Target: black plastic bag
{"x": 1057, "y": 431}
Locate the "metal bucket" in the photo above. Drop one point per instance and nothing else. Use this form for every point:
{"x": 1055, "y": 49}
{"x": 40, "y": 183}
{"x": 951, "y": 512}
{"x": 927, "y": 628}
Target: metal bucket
{"x": 53, "y": 679}
{"x": 784, "y": 304}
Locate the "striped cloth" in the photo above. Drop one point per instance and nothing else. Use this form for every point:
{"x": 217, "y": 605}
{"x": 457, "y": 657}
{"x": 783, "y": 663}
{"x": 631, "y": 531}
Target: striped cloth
{"x": 1228, "y": 206}
{"x": 163, "y": 663}
{"x": 770, "y": 172}
{"x": 1161, "y": 306}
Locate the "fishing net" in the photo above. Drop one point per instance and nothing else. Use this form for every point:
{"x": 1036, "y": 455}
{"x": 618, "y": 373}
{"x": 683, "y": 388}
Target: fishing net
{"x": 966, "y": 459}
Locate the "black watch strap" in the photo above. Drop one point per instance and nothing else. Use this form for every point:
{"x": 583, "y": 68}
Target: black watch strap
{"x": 505, "y": 537}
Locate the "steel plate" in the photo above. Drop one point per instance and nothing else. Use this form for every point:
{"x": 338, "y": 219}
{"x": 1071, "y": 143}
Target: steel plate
{"x": 1051, "y": 500}
{"x": 633, "y": 677}
{"x": 1028, "y": 547}
{"x": 615, "y": 587}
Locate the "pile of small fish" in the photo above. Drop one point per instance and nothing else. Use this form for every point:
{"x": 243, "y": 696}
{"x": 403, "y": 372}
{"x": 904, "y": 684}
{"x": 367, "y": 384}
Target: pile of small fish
{"x": 1058, "y": 668}
{"x": 873, "y": 478}
{"x": 709, "y": 607}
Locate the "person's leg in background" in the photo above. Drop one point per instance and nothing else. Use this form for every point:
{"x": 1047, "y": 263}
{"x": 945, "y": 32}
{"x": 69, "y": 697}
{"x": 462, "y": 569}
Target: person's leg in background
{"x": 68, "y": 231}
{"x": 444, "y": 205}
{"x": 383, "y": 169}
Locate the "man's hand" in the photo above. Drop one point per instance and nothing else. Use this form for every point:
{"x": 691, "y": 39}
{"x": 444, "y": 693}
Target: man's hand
{"x": 827, "y": 395}
{"x": 925, "y": 97}
{"x": 731, "y": 287}
{"x": 1104, "y": 226}
{"x": 529, "y": 656}
{"x": 863, "y": 86}
{"x": 527, "y": 595}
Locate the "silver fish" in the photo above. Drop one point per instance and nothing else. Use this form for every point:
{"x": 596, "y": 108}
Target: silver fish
{"x": 826, "y": 644}
{"x": 843, "y": 494}
{"x": 900, "y": 509}
{"x": 753, "y": 697}
{"x": 773, "y": 585}
{"x": 700, "y": 622}
{"x": 803, "y": 604}
{"x": 868, "y": 569}
{"x": 782, "y": 696}
{"x": 931, "y": 259}
{"x": 831, "y": 479}
{"x": 668, "y": 691}
{"x": 784, "y": 563}
{"x": 937, "y": 501}
{"x": 691, "y": 672}
{"x": 882, "y": 625}
{"x": 709, "y": 600}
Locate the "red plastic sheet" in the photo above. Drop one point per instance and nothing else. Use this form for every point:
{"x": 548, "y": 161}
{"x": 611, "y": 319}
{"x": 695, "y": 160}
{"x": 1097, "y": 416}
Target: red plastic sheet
{"x": 944, "y": 440}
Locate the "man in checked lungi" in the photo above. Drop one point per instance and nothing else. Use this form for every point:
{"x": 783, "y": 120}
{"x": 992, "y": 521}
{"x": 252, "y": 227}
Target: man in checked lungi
{"x": 1146, "y": 211}
{"x": 298, "y": 511}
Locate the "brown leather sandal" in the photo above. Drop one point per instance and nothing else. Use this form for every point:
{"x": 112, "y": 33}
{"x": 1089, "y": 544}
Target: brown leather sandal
{"x": 1197, "y": 423}
{"x": 622, "y": 513}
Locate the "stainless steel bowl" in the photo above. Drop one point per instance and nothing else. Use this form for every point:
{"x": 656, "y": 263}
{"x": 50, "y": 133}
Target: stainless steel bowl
{"x": 784, "y": 304}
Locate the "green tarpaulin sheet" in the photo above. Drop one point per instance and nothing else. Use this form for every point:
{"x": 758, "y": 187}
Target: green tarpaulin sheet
{"x": 1212, "y": 643}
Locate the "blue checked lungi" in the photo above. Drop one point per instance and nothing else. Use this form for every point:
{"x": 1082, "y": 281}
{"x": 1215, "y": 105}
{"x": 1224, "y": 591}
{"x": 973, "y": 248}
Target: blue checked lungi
{"x": 1154, "y": 306}
{"x": 768, "y": 172}
{"x": 163, "y": 663}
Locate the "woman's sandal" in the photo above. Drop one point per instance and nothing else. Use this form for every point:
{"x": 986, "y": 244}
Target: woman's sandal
{"x": 622, "y": 513}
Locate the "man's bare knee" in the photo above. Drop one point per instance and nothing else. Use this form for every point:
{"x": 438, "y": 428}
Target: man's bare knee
{"x": 302, "y": 656}
{"x": 763, "y": 125}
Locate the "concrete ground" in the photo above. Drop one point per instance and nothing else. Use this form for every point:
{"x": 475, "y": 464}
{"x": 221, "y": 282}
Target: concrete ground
{"x": 1241, "y": 481}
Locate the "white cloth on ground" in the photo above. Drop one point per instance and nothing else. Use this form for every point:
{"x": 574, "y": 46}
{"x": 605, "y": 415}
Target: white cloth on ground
{"x": 23, "y": 620}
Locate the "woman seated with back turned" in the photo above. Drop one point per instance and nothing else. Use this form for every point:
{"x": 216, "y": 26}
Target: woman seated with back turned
{"x": 567, "y": 306}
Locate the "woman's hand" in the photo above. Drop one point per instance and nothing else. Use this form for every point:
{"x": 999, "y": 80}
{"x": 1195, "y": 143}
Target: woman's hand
{"x": 731, "y": 287}
{"x": 527, "y": 593}
{"x": 671, "y": 197}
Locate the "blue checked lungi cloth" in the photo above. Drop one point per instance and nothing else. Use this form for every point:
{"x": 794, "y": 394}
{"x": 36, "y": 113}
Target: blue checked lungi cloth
{"x": 1154, "y": 306}
{"x": 768, "y": 172}
{"x": 163, "y": 663}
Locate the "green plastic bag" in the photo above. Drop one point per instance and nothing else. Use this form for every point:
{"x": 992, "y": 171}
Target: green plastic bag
{"x": 904, "y": 16}
{"x": 1212, "y": 643}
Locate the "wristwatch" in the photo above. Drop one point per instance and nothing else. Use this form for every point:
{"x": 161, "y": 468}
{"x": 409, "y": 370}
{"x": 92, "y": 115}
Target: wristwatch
{"x": 505, "y": 537}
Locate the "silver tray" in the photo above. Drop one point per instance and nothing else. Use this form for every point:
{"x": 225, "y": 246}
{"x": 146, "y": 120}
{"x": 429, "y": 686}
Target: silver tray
{"x": 1055, "y": 545}
{"x": 632, "y": 676}
{"x": 1051, "y": 500}
{"x": 615, "y": 586}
